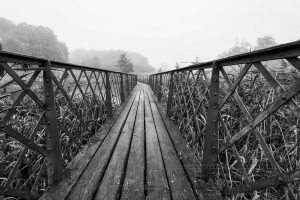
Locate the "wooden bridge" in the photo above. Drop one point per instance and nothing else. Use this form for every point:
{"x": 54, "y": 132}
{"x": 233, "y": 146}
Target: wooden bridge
{"x": 225, "y": 129}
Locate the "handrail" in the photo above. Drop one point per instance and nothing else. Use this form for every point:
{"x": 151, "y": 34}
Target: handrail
{"x": 291, "y": 49}
{"x": 229, "y": 107}
{"x": 48, "y": 111}
{"x": 6, "y": 56}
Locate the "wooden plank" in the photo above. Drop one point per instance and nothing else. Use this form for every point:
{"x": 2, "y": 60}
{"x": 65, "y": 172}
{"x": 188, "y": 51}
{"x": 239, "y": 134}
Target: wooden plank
{"x": 189, "y": 161}
{"x": 156, "y": 180}
{"x": 112, "y": 181}
{"x": 76, "y": 167}
{"x": 178, "y": 181}
{"x": 133, "y": 186}
{"x": 88, "y": 182}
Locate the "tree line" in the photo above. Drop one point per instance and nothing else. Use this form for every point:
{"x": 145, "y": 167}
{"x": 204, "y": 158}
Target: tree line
{"x": 32, "y": 40}
{"x": 42, "y": 42}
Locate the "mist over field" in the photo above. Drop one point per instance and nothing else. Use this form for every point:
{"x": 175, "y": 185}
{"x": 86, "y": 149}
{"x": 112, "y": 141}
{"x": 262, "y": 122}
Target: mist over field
{"x": 109, "y": 59}
{"x": 41, "y": 41}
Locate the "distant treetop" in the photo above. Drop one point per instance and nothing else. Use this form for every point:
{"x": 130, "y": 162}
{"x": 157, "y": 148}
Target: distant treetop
{"x": 32, "y": 40}
{"x": 124, "y": 64}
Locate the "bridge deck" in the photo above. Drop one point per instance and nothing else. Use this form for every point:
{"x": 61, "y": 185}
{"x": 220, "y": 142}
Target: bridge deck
{"x": 138, "y": 154}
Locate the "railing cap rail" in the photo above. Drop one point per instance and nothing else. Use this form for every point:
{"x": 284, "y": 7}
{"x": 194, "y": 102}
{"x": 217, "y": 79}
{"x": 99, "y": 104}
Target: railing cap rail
{"x": 291, "y": 49}
{"x": 7, "y": 56}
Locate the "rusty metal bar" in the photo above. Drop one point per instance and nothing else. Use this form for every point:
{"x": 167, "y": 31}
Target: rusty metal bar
{"x": 237, "y": 82}
{"x": 277, "y": 87}
{"x": 21, "y": 138}
{"x": 263, "y": 183}
{"x": 295, "y": 62}
{"x": 170, "y": 94}
{"x": 160, "y": 89}
{"x": 127, "y": 85}
{"x": 283, "y": 51}
{"x": 122, "y": 88}
{"x": 209, "y": 162}
{"x": 108, "y": 102}
{"x": 15, "y": 76}
{"x": 281, "y": 100}
{"x": 258, "y": 135}
{"x": 13, "y": 173}
{"x": 54, "y": 156}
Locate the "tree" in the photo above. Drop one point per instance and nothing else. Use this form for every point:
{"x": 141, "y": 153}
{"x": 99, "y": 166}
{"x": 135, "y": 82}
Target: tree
{"x": 95, "y": 62}
{"x": 32, "y": 40}
{"x": 265, "y": 42}
{"x": 124, "y": 64}
{"x": 238, "y": 48}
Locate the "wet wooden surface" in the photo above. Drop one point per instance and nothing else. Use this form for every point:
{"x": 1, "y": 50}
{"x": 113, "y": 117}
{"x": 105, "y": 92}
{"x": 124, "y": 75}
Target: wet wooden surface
{"x": 138, "y": 154}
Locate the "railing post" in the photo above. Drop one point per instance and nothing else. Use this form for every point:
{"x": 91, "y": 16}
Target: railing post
{"x": 155, "y": 84}
{"x": 170, "y": 94}
{"x": 108, "y": 95}
{"x": 131, "y": 82}
{"x": 152, "y": 82}
{"x": 122, "y": 88}
{"x": 54, "y": 157}
{"x": 210, "y": 156}
{"x": 127, "y": 85}
{"x": 160, "y": 89}
{"x": 1, "y": 68}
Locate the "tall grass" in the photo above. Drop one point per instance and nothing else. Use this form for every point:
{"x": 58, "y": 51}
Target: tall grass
{"x": 280, "y": 130}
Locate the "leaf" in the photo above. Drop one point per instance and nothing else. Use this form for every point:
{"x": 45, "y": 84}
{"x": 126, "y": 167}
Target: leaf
{"x": 253, "y": 165}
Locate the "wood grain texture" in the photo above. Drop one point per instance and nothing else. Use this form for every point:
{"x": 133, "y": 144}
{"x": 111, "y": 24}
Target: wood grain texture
{"x": 76, "y": 167}
{"x": 112, "y": 181}
{"x": 178, "y": 181}
{"x": 139, "y": 154}
{"x": 157, "y": 184}
{"x": 88, "y": 182}
{"x": 133, "y": 186}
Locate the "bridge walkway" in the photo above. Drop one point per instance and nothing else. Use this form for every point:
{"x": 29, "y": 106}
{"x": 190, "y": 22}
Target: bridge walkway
{"x": 137, "y": 154}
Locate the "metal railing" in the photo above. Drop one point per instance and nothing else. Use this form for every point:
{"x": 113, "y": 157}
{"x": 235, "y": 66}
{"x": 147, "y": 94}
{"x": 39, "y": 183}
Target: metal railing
{"x": 143, "y": 78}
{"x": 48, "y": 111}
{"x": 241, "y": 116}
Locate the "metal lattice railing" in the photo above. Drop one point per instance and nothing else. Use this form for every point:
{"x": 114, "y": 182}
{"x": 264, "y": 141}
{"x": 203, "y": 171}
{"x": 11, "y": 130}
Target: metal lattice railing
{"x": 48, "y": 111}
{"x": 241, "y": 116}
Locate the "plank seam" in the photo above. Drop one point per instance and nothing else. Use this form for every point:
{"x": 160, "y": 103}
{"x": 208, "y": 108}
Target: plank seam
{"x": 184, "y": 168}
{"x": 67, "y": 197}
{"x": 163, "y": 161}
{"x": 120, "y": 189}
{"x": 113, "y": 149}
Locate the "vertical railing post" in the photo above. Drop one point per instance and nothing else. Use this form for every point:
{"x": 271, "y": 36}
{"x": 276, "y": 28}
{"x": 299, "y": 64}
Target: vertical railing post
{"x": 152, "y": 80}
{"x": 160, "y": 89}
{"x": 1, "y": 68}
{"x": 108, "y": 95}
{"x": 210, "y": 156}
{"x": 54, "y": 156}
{"x": 155, "y": 84}
{"x": 127, "y": 85}
{"x": 122, "y": 88}
{"x": 170, "y": 94}
{"x": 131, "y": 82}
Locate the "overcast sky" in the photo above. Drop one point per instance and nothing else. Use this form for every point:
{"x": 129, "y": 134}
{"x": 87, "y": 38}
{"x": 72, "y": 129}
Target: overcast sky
{"x": 165, "y": 31}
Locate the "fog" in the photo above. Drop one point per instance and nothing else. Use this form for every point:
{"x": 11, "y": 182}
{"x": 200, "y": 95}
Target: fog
{"x": 166, "y": 31}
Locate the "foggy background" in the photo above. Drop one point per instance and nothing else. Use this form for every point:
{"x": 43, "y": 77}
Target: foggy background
{"x": 156, "y": 35}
